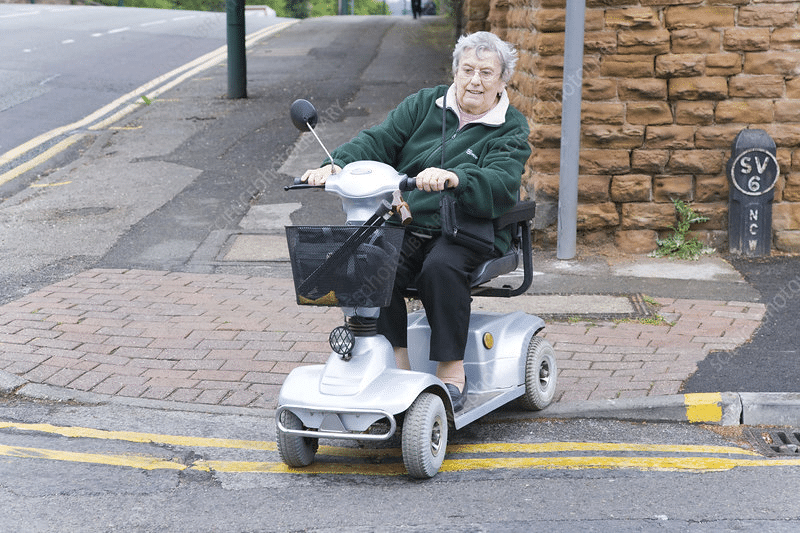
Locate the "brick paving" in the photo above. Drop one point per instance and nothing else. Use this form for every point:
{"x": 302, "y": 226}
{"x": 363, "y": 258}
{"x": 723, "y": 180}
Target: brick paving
{"x": 230, "y": 340}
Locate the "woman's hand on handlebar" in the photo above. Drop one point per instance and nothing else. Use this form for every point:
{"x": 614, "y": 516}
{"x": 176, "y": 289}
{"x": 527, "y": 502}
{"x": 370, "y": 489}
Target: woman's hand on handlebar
{"x": 436, "y": 179}
{"x": 317, "y": 176}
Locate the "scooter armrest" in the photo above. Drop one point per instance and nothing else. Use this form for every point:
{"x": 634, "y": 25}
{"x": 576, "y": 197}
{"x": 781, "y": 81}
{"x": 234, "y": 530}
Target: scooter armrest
{"x": 522, "y": 212}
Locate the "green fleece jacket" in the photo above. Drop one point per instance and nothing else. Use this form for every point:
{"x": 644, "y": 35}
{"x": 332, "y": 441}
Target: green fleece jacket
{"x": 488, "y": 156}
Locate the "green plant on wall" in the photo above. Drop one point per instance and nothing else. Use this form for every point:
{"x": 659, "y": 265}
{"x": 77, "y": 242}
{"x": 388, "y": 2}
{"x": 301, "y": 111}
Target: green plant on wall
{"x": 680, "y": 245}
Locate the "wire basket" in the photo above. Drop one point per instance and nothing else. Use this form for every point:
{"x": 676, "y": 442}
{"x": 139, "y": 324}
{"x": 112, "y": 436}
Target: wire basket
{"x": 344, "y": 266}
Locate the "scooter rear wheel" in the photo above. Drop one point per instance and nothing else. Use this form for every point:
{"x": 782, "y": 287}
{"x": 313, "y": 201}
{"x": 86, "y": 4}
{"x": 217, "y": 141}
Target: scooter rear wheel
{"x": 540, "y": 375}
{"x": 295, "y": 451}
{"x": 425, "y": 436}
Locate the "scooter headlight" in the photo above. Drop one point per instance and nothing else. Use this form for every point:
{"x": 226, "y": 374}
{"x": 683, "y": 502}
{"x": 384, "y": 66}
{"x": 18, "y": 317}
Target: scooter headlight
{"x": 342, "y": 341}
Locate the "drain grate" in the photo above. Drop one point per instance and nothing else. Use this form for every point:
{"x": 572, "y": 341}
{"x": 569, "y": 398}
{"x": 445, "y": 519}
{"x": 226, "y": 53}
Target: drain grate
{"x": 774, "y": 442}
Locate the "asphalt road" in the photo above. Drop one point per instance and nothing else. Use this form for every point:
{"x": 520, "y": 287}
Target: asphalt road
{"x": 771, "y": 361}
{"x": 62, "y": 62}
{"x": 122, "y": 468}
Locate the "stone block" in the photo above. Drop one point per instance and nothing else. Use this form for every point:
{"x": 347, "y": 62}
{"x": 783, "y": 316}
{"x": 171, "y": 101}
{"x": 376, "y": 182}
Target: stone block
{"x": 548, "y": 44}
{"x": 768, "y": 15}
{"x": 784, "y": 157}
{"x": 717, "y": 136}
{"x": 784, "y": 135}
{"x": 695, "y": 41}
{"x": 596, "y": 216}
{"x": 696, "y": 162}
{"x": 787, "y": 111}
{"x": 602, "y": 113}
{"x": 632, "y": 18}
{"x": 791, "y": 187}
{"x": 600, "y": 42}
{"x": 717, "y": 213}
{"x": 787, "y": 241}
{"x": 635, "y": 241}
{"x": 710, "y": 188}
{"x": 627, "y": 66}
{"x": 723, "y": 64}
{"x": 595, "y": 20}
{"x": 699, "y": 113}
{"x": 548, "y": 89}
{"x": 653, "y": 216}
{"x": 545, "y": 185}
{"x": 786, "y": 216}
{"x": 678, "y": 17}
{"x": 669, "y": 188}
{"x": 650, "y": 161}
{"x": 610, "y": 3}
{"x": 612, "y": 136}
{"x": 785, "y": 39}
{"x": 593, "y": 189}
{"x": 651, "y": 112}
{"x": 549, "y": 20}
{"x": 643, "y": 89}
{"x": 545, "y": 161}
{"x": 631, "y": 188}
{"x": 545, "y": 136}
{"x": 643, "y": 42}
{"x": 698, "y": 88}
{"x": 749, "y": 86}
{"x": 670, "y": 137}
{"x": 600, "y": 89}
{"x": 746, "y": 39}
{"x": 549, "y": 66}
{"x": 680, "y": 65}
{"x": 604, "y": 161}
{"x": 744, "y": 111}
{"x": 777, "y": 63}
{"x": 547, "y": 112}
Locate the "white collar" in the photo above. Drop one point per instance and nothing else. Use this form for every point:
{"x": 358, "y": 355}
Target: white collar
{"x": 495, "y": 117}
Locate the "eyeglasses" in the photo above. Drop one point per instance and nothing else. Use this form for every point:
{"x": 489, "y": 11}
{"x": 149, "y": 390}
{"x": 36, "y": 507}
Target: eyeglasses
{"x": 468, "y": 73}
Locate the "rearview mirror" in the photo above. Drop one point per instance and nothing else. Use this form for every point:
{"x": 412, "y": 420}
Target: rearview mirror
{"x": 304, "y": 115}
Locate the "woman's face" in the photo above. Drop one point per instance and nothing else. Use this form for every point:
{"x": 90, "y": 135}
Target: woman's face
{"x": 478, "y": 82}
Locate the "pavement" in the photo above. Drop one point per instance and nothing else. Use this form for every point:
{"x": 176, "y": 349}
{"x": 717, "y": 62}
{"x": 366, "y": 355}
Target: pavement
{"x": 628, "y": 331}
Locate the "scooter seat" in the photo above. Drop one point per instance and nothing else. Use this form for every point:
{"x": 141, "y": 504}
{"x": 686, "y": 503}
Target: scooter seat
{"x": 498, "y": 266}
{"x": 520, "y": 217}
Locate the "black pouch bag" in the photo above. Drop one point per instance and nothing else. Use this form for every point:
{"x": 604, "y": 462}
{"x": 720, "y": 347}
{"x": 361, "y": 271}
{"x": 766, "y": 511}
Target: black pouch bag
{"x": 458, "y": 227}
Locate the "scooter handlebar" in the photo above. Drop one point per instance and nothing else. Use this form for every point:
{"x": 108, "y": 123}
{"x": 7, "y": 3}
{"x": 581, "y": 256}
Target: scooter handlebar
{"x": 298, "y": 183}
{"x": 407, "y": 184}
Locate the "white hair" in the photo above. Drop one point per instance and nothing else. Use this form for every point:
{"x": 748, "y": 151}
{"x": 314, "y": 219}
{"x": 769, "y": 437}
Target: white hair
{"x": 484, "y": 41}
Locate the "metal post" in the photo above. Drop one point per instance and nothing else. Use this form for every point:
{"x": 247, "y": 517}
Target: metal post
{"x": 570, "y": 130}
{"x": 237, "y": 62}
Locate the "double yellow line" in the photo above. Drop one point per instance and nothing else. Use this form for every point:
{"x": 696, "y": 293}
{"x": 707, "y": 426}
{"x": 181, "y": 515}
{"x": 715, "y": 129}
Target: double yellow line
{"x": 461, "y": 457}
{"x": 120, "y": 107}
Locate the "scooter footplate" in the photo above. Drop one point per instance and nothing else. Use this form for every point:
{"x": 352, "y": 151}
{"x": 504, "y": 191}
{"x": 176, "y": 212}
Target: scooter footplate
{"x": 478, "y": 405}
{"x": 332, "y": 426}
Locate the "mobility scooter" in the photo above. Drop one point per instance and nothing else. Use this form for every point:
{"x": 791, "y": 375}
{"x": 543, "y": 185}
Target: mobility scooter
{"x": 360, "y": 388}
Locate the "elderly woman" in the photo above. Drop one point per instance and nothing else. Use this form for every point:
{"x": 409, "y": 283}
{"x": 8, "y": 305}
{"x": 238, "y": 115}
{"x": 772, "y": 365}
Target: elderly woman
{"x": 486, "y": 150}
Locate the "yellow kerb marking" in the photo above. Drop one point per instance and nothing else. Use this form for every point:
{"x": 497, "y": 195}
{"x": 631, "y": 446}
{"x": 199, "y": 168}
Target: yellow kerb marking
{"x": 703, "y": 407}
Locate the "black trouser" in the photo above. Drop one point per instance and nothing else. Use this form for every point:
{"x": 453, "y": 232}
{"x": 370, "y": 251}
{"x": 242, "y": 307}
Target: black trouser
{"x": 441, "y": 272}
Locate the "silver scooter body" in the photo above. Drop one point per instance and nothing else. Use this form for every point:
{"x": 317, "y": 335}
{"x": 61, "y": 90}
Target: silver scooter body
{"x": 342, "y": 399}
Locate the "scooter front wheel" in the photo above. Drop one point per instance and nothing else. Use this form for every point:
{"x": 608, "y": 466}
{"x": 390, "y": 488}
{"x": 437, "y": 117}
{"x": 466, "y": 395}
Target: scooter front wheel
{"x": 540, "y": 375}
{"x": 425, "y": 436}
{"x": 295, "y": 451}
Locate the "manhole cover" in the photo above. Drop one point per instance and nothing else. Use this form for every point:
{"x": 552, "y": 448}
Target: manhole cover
{"x": 774, "y": 442}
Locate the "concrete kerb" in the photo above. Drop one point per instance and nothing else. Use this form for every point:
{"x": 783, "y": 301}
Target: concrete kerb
{"x": 718, "y": 408}
{"x": 713, "y": 408}
{"x": 12, "y": 385}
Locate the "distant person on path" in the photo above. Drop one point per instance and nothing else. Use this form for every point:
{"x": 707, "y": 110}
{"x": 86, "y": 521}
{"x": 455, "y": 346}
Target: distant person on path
{"x": 416, "y": 8}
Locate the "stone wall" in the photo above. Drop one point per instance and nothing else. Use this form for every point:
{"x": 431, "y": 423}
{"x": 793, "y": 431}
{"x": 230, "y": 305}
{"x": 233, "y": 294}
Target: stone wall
{"x": 667, "y": 84}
